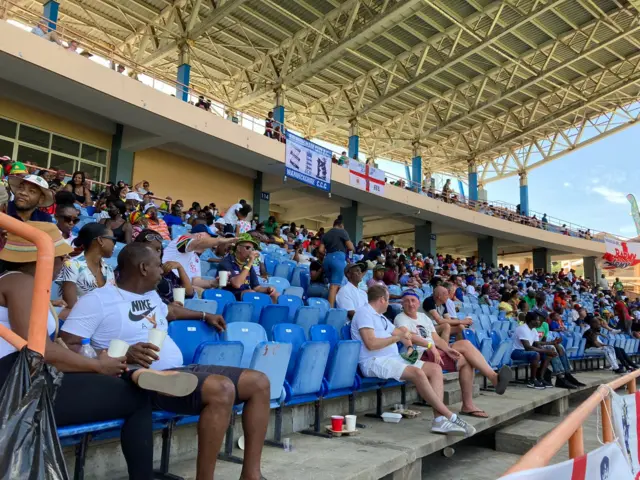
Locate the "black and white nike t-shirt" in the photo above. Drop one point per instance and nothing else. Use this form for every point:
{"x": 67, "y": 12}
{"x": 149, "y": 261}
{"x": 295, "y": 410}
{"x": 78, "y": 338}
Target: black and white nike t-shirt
{"x": 110, "y": 312}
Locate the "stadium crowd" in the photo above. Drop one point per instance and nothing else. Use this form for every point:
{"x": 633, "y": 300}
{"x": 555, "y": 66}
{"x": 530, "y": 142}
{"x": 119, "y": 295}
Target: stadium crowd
{"x": 408, "y": 309}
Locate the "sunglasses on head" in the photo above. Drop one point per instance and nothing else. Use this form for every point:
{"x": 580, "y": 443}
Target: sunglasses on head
{"x": 70, "y": 219}
{"x": 150, "y": 237}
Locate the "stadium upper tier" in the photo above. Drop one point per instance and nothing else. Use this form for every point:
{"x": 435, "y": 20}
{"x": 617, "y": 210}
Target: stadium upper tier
{"x": 504, "y": 85}
{"x": 167, "y": 135}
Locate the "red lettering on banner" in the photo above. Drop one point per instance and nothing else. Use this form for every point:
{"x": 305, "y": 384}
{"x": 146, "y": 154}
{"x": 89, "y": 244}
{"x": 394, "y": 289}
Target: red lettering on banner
{"x": 579, "y": 468}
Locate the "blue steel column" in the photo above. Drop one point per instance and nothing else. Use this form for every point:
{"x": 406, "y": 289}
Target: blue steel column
{"x": 473, "y": 181}
{"x": 416, "y": 167}
{"x": 278, "y": 110}
{"x": 354, "y": 139}
{"x": 524, "y": 194}
{"x": 184, "y": 74}
{"x": 50, "y": 13}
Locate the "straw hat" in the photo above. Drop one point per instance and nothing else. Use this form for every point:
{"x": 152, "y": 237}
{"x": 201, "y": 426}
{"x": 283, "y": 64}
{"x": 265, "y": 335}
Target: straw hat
{"x": 15, "y": 181}
{"x": 19, "y": 250}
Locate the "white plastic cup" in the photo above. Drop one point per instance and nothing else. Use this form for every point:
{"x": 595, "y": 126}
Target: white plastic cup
{"x": 179, "y": 294}
{"x": 286, "y": 445}
{"x": 351, "y": 422}
{"x": 223, "y": 278}
{"x": 117, "y": 348}
{"x": 156, "y": 337}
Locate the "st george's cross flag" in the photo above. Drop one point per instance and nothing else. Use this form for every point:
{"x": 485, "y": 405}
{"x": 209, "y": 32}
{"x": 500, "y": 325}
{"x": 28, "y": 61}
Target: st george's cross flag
{"x": 605, "y": 463}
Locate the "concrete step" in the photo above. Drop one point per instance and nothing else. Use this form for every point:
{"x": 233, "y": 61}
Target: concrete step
{"x": 453, "y": 393}
{"x": 519, "y": 437}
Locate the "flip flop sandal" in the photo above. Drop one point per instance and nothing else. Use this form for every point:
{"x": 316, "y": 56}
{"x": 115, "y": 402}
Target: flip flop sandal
{"x": 474, "y": 414}
{"x": 504, "y": 377}
{"x": 175, "y": 384}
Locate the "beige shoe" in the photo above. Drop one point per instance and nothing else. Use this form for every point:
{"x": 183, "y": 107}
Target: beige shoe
{"x": 175, "y": 384}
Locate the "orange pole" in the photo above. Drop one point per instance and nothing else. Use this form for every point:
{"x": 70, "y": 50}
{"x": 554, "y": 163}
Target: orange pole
{"x": 605, "y": 415}
{"x": 576, "y": 444}
{"x": 632, "y": 386}
{"x": 41, "y": 285}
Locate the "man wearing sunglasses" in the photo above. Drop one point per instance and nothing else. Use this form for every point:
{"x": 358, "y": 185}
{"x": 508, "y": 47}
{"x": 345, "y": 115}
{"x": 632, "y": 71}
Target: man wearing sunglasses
{"x": 66, "y": 219}
{"x": 242, "y": 275}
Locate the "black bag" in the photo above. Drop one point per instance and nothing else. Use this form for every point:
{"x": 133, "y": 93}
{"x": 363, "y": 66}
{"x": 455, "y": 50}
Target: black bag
{"x": 29, "y": 444}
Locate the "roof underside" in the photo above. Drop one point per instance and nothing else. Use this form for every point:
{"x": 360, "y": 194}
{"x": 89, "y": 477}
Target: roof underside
{"x": 510, "y": 84}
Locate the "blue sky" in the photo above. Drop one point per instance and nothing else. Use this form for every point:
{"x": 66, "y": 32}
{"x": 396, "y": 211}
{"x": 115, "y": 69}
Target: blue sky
{"x": 587, "y": 187}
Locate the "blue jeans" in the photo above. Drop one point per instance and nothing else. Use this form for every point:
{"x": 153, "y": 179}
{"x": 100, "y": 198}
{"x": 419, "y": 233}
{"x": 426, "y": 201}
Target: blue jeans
{"x": 334, "y": 265}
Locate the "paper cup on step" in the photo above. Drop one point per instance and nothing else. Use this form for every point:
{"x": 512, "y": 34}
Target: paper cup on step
{"x": 350, "y": 421}
{"x": 157, "y": 337}
{"x": 223, "y": 279}
{"x": 179, "y": 294}
{"x": 117, "y": 348}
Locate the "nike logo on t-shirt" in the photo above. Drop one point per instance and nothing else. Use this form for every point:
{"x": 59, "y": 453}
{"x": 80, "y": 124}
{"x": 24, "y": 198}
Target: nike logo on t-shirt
{"x": 142, "y": 306}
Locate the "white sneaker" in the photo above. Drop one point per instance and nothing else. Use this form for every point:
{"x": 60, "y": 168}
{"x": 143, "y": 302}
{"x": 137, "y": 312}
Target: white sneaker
{"x": 453, "y": 426}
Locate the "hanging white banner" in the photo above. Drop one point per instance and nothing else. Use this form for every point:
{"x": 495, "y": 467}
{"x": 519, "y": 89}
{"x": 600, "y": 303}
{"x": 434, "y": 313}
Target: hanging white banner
{"x": 620, "y": 254}
{"x": 625, "y": 425}
{"x": 605, "y": 463}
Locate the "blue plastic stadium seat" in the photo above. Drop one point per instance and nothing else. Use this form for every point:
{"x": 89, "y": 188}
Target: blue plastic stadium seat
{"x": 200, "y": 305}
{"x": 499, "y": 354}
{"x": 486, "y": 349}
{"x": 270, "y": 264}
{"x": 238, "y": 312}
{"x": 292, "y": 302}
{"x": 336, "y": 317}
{"x": 249, "y": 334}
{"x": 296, "y": 275}
{"x": 282, "y": 270}
{"x": 259, "y": 301}
{"x": 485, "y": 309}
{"x": 294, "y": 291}
{"x": 272, "y": 359}
{"x": 306, "y": 317}
{"x": 305, "y": 383}
{"x": 324, "y": 333}
{"x": 292, "y": 334}
{"x": 222, "y": 354}
{"x": 221, "y": 296}
{"x": 279, "y": 283}
{"x": 320, "y": 303}
{"x": 470, "y": 335}
{"x": 340, "y": 374}
{"x": 273, "y": 315}
{"x": 189, "y": 334}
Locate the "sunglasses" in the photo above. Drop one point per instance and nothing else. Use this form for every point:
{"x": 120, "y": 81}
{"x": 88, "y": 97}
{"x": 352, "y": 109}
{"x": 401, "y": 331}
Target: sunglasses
{"x": 109, "y": 237}
{"x": 150, "y": 237}
{"x": 69, "y": 219}
{"x": 247, "y": 247}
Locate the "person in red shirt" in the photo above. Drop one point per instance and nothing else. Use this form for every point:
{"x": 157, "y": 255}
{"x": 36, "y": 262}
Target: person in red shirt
{"x": 622, "y": 312}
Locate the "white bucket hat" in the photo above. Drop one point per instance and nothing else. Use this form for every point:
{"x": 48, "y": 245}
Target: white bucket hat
{"x": 14, "y": 183}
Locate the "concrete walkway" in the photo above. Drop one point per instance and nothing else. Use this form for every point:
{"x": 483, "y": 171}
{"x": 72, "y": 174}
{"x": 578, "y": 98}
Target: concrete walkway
{"x": 382, "y": 449}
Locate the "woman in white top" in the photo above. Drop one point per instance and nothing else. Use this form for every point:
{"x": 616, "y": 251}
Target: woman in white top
{"x": 92, "y": 389}
{"x": 462, "y": 356}
{"x": 88, "y": 271}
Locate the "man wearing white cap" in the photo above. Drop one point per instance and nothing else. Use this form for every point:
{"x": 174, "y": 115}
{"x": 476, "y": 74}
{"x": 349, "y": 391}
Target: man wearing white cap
{"x": 132, "y": 200}
{"x": 31, "y": 193}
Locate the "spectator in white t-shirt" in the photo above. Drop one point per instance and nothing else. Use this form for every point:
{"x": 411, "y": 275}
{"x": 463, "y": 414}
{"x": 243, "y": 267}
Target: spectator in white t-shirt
{"x": 231, "y": 216}
{"x": 186, "y": 250}
{"x": 350, "y": 297}
{"x": 379, "y": 357}
{"x": 462, "y": 356}
{"x": 526, "y": 348}
{"x": 127, "y": 311}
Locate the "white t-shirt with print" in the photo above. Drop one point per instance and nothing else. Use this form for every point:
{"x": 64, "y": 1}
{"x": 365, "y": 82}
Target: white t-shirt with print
{"x": 110, "y": 312}
{"x": 523, "y": 332}
{"x": 351, "y": 298}
{"x": 367, "y": 317}
{"x": 189, "y": 260}
{"x": 422, "y": 326}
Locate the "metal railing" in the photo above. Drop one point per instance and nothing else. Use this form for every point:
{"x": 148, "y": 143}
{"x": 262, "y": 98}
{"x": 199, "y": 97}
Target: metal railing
{"x": 248, "y": 120}
{"x": 570, "y": 429}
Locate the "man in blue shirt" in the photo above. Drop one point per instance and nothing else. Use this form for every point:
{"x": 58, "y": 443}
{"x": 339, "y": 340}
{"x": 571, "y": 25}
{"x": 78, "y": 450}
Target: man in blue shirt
{"x": 31, "y": 193}
{"x": 175, "y": 218}
{"x": 242, "y": 275}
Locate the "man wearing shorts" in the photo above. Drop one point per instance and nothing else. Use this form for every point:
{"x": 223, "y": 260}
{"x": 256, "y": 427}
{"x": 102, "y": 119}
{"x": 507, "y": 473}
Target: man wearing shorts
{"x": 436, "y": 309}
{"x": 462, "y": 356}
{"x": 526, "y": 348}
{"x": 335, "y": 245}
{"x": 379, "y": 357}
{"x": 127, "y": 311}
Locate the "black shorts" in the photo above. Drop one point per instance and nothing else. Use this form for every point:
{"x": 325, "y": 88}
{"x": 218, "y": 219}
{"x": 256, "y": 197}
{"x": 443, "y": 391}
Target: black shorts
{"x": 192, "y": 404}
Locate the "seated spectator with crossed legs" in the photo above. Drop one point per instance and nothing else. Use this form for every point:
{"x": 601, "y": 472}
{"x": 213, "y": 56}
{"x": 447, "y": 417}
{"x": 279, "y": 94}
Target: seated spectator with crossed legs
{"x": 461, "y": 356}
{"x": 379, "y": 357}
{"x": 128, "y": 310}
